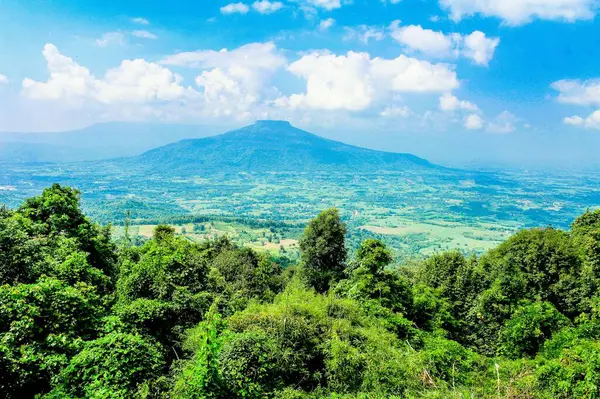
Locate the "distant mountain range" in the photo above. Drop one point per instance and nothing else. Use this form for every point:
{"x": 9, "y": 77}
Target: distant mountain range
{"x": 96, "y": 142}
{"x": 269, "y": 146}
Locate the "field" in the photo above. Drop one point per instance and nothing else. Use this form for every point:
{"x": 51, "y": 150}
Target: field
{"x": 416, "y": 213}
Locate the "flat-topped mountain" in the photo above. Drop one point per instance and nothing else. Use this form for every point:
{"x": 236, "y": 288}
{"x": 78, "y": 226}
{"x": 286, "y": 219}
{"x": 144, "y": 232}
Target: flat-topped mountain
{"x": 271, "y": 146}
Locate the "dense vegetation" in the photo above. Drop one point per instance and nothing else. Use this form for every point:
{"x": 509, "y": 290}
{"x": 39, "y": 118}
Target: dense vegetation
{"x": 85, "y": 316}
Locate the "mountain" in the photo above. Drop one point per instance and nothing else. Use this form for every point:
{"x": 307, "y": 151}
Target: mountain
{"x": 96, "y": 142}
{"x": 270, "y": 146}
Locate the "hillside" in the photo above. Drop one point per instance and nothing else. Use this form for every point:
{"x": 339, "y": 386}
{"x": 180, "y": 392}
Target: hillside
{"x": 271, "y": 146}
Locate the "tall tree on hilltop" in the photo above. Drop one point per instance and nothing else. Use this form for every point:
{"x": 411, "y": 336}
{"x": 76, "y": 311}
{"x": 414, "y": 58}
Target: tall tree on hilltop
{"x": 323, "y": 250}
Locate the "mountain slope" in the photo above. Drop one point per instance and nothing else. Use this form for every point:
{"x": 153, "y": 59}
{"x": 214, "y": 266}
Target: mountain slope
{"x": 270, "y": 146}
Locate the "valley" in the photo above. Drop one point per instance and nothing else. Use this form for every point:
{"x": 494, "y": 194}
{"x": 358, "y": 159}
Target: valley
{"x": 415, "y": 212}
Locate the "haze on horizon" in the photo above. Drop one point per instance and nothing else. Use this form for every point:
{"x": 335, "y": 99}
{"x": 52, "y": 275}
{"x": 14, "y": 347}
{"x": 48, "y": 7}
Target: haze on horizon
{"x": 507, "y": 83}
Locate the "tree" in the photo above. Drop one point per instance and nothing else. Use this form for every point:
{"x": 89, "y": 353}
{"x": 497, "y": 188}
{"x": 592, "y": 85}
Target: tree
{"x": 545, "y": 263}
{"x": 323, "y": 250}
{"x": 163, "y": 232}
{"x": 41, "y": 326}
{"x": 369, "y": 279}
{"x": 117, "y": 366}
{"x": 529, "y": 327}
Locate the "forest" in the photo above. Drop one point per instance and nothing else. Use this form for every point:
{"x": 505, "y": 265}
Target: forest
{"x": 87, "y": 315}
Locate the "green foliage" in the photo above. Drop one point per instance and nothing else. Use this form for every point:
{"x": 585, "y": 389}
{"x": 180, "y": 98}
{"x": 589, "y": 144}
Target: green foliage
{"x": 528, "y": 328}
{"x": 369, "y": 279}
{"x": 250, "y": 364}
{"x": 574, "y": 373}
{"x": 544, "y": 263}
{"x": 115, "y": 366}
{"x": 200, "y": 377}
{"x": 323, "y": 250}
{"x": 248, "y": 274}
{"x": 44, "y": 232}
{"x": 41, "y": 326}
{"x": 81, "y": 318}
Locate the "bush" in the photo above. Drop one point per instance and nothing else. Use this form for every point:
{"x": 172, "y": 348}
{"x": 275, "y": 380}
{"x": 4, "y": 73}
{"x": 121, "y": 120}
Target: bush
{"x": 529, "y": 327}
{"x": 115, "y": 366}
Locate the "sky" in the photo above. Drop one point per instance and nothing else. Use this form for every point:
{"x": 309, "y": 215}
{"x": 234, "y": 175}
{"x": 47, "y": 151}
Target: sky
{"x": 514, "y": 79}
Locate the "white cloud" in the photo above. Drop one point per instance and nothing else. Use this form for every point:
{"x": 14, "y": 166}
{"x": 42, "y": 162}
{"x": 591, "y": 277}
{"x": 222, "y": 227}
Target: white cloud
{"x": 253, "y": 55}
{"x": 3, "y": 79}
{"x": 144, "y": 34}
{"x": 503, "y": 123}
{"x": 235, "y": 79}
{"x": 593, "y": 121}
{"x": 519, "y": 12}
{"x": 395, "y": 112}
{"x": 474, "y": 122}
{"x": 575, "y": 120}
{"x": 355, "y": 81}
{"x": 326, "y": 24}
{"x": 423, "y": 40}
{"x": 479, "y": 48}
{"x": 235, "y": 8}
{"x": 449, "y": 103}
{"x": 266, "y": 6}
{"x": 134, "y": 81}
{"x": 325, "y": 4}
{"x": 578, "y": 92}
{"x": 590, "y": 122}
{"x": 364, "y": 33}
{"x": 475, "y": 46}
{"x": 231, "y": 86}
{"x": 110, "y": 38}
{"x": 140, "y": 21}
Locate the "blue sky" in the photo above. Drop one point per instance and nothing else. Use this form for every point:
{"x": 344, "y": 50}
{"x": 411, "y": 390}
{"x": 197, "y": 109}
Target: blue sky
{"x": 470, "y": 70}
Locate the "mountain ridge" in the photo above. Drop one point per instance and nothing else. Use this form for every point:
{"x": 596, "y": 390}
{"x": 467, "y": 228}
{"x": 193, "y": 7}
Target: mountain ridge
{"x": 271, "y": 146}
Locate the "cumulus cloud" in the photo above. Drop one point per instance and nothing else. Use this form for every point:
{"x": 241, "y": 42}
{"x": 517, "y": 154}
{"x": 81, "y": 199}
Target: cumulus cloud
{"x": 479, "y": 48}
{"x": 235, "y": 8}
{"x": 134, "y": 81}
{"x": 140, "y": 21}
{"x": 364, "y": 33}
{"x": 144, "y": 34}
{"x": 236, "y": 77}
{"x": 231, "y": 85}
{"x": 3, "y": 79}
{"x": 474, "y": 122}
{"x": 425, "y": 41}
{"x": 578, "y": 92}
{"x": 475, "y": 46}
{"x": 326, "y": 24}
{"x": 449, "y": 103}
{"x": 266, "y": 6}
{"x": 109, "y": 38}
{"x": 519, "y": 12}
{"x": 355, "y": 81}
{"x": 590, "y": 122}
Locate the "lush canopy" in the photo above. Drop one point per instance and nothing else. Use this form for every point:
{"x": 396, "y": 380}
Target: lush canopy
{"x": 82, "y": 316}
